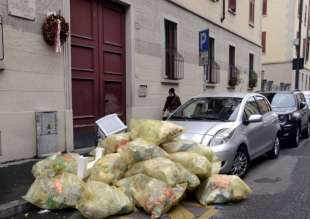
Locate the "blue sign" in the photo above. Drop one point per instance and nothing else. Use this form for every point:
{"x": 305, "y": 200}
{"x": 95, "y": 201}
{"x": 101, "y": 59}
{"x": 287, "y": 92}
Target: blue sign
{"x": 204, "y": 41}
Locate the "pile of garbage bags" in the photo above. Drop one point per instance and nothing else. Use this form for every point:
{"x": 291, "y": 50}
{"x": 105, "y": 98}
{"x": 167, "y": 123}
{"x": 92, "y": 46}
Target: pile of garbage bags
{"x": 148, "y": 168}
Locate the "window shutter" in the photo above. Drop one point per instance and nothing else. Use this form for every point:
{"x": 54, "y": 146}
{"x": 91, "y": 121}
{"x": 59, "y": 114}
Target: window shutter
{"x": 265, "y": 7}
{"x": 264, "y": 42}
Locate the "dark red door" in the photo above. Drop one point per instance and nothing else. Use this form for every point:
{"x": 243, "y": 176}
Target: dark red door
{"x": 98, "y": 65}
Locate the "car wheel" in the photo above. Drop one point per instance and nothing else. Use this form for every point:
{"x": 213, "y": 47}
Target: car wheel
{"x": 307, "y": 131}
{"x": 296, "y": 138}
{"x": 275, "y": 151}
{"x": 240, "y": 164}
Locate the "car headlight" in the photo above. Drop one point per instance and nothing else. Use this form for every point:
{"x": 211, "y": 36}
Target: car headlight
{"x": 285, "y": 118}
{"x": 222, "y": 136}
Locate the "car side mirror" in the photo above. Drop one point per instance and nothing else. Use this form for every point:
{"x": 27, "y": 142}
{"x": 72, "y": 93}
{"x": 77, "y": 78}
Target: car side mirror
{"x": 255, "y": 118}
{"x": 302, "y": 105}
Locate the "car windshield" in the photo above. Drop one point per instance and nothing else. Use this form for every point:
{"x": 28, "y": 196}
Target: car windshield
{"x": 209, "y": 108}
{"x": 279, "y": 100}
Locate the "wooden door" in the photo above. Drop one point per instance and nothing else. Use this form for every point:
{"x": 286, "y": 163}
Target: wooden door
{"x": 98, "y": 65}
{"x": 112, "y": 65}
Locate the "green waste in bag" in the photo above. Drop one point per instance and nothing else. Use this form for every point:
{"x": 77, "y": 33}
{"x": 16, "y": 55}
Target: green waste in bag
{"x": 58, "y": 192}
{"x": 99, "y": 200}
{"x": 220, "y": 189}
{"x": 155, "y": 131}
{"x": 56, "y": 164}
{"x": 165, "y": 170}
{"x": 109, "y": 169}
{"x": 180, "y": 145}
{"x": 112, "y": 143}
{"x": 153, "y": 195}
{"x": 195, "y": 163}
{"x": 140, "y": 150}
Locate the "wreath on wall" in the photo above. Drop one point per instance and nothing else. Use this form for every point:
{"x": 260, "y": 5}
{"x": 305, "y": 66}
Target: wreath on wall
{"x": 55, "y": 31}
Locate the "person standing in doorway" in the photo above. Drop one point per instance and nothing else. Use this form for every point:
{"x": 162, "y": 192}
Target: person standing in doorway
{"x": 172, "y": 103}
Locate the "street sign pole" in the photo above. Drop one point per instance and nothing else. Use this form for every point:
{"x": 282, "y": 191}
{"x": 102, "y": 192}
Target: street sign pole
{"x": 298, "y": 47}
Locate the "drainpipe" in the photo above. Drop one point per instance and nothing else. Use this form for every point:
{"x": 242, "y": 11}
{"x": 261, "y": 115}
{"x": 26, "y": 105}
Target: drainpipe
{"x": 224, "y": 9}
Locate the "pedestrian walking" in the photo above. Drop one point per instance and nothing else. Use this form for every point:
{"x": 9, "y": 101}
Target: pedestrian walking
{"x": 172, "y": 103}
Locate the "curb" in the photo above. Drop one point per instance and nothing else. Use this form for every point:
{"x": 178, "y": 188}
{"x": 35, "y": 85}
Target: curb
{"x": 13, "y": 208}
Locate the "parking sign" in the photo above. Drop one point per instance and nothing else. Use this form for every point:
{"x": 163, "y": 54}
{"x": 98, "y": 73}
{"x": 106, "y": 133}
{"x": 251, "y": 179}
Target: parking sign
{"x": 203, "y": 46}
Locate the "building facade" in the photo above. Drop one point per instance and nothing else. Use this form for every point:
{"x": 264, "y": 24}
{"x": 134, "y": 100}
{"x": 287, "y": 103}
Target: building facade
{"x": 122, "y": 57}
{"x": 280, "y": 28}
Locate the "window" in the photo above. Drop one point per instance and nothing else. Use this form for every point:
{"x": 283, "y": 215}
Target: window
{"x": 307, "y": 51}
{"x": 209, "y": 108}
{"x": 174, "y": 61}
{"x": 299, "y": 8}
{"x": 263, "y": 105}
{"x": 211, "y": 67}
{"x": 232, "y": 56}
{"x": 265, "y": 2}
{"x": 251, "y": 12}
{"x": 308, "y": 15}
{"x": 264, "y": 41}
{"x": 300, "y": 98}
{"x": 281, "y": 100}
{"x": 304, "y": 44}
{"x": 251, "y": 63}
{"x": 252, "y": 74}
{"x": 232, "y": 67}
{"x": 232, "y": 6}
{"x": 251, "y": 108}
{"x": 305, "y": 16}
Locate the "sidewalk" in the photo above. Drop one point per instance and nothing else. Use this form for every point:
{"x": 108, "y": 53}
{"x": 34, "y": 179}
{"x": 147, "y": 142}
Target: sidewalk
{"x": 16, "y": 179}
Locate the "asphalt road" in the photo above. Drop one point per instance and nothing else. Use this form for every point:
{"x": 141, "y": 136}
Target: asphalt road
{"x": 281, "y": 189}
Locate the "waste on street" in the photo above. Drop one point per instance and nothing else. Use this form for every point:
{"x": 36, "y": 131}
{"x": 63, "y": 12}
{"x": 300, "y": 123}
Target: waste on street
{"x": 99, "y": 200}
{"x": 57, "y": 192}
{"x": 147, "y": 168}
{"x": 219, "y": 189}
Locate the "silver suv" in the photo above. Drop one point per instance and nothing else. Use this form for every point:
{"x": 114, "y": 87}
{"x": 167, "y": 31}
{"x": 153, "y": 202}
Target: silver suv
{"x": 238, "y": 127}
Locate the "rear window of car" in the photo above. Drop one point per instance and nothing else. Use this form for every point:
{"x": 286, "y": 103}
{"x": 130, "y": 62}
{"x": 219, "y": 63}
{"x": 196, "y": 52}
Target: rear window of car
{"x": 281, "y": 100}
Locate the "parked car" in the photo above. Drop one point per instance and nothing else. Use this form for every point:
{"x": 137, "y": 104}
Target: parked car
{"x": 238, "y": 127}
{"x": 293, "y": 113}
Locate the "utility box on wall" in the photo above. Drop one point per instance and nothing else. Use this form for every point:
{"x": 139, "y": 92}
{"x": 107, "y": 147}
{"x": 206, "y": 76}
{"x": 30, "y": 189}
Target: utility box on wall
{"x": 46, "y": 128}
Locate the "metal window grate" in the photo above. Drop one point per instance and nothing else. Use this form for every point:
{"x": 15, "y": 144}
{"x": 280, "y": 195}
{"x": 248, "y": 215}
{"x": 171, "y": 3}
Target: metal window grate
{"x": 174, "y": 65}
{"x": 233, "y": 77}
{"x": 212, "y": 73}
